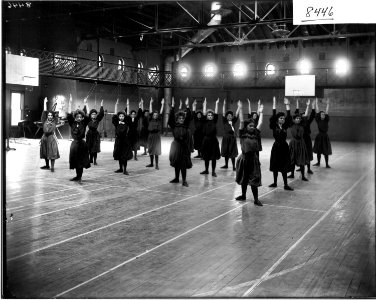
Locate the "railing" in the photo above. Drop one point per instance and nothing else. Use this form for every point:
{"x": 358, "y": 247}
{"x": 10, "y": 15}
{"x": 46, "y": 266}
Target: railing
{"x": 62, "y": 65}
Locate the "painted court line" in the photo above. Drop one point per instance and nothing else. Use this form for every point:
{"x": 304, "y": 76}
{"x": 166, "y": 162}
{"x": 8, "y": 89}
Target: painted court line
{"x": 73, "y": 206}
{"x": 235, "y": 288}
{"x": 109, "y": 225}
{"x": 275, "y": 265}
{"x": 160, "y": 245}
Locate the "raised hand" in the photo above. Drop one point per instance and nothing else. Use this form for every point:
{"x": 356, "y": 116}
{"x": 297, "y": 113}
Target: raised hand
{"x": 216, "y": 102}
{"x": 249, "y": 101}
{"x": 205, "y": 101}
{"x": 274, "y": 101}
{"x": 85, "y": 101}
{"x": 102, "y": 102}
{"x": 45, "y": 100}
{"x": 240, "y": 104}
{"x": 286, "y": 101}
{"x": 117, "y": 101}
{"x": 173, "y": 102}
{"x": 308, "y": 102}
{"x": 261, "y": 108}
{"x": 187, "y": 102}
{"x": 162, "y": 102}
{"x": 151, "y": 100}
{"x": 127, "y": 101}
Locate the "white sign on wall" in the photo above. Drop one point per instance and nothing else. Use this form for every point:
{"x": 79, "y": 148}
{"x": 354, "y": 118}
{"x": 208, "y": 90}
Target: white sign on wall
{"x": 308, "y": 12}
{"x": 21, "y": 70}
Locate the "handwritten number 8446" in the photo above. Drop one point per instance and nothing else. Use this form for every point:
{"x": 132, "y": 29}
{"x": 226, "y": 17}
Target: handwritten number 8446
{"x": 311, "y": 11}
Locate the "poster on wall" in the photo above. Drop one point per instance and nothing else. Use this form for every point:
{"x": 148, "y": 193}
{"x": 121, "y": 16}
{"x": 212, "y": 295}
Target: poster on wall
{"x": 300, "y": 85}
{"x": 22, "y": 70}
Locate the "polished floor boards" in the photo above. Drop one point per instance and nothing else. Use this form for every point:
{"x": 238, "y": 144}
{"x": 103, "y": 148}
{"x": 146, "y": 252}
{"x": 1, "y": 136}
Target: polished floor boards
{"x": 118, "y": 236}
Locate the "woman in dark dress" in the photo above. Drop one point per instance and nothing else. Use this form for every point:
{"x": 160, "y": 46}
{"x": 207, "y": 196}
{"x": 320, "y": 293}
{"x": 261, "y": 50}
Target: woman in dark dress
{"x": 248, "y": 171}
{"x": 297, "y": 147}
{"x": 198, "y": 134}
{"x": 210, "y": 145}
{"x": 48, "y": 143}
{"x": 229, "y": 148}
{"x": 180, "y": 150}
{"x": 306, "y": 122}
{"x": 93, "y": 138}
{"x": 79, "y": 151}
{"x": 122, "y": 147}
{"x": 280, "y": 155}
{"x": 132, "y": 120}
{"x": 322, "y": 142}
{"x": 154, "y": 139}
{"x": 144, "y": 132}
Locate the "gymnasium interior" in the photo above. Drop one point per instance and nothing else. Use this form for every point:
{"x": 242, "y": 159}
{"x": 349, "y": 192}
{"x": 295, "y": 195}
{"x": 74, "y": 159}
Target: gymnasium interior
{"x": 140, "y": 236}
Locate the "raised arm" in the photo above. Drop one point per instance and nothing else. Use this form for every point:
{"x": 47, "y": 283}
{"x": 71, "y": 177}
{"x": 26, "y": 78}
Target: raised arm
{"x": 151, "y": 106}
{"x": 204, "y": 107}
{"x": 224, "y": 107}
{"x": 241, "y": 117}
{"x": 141, "y": 104}
{"x": 216, "y": 106}
{"x": 258, "y": 106}
{"x": 194, "y": 105}
{"x": 261, "y": 109}
{"x": 180, "y": 105}
{"x": 188, "y": 116}
{"x": 116, "y": 105}
{"x": 307, "y": 108}
{"x": 238, "y": 111}
{"x": 249, "y": 106}
{"x": 288, "y": 119}
{"x": 70, "y": 104}
{"x": 43, "y": 117}
{"x": 101, "y": 112}
{"x": 86, "y": 104}
{"x": 327, "y": 107}
{"x": 162, "y": 106}
{"x": 317, "y": 105}
{"x": 171, "y": 117}
{"x": 297, "y": 104}
{"x": 127, "y": 108}
{"x": 272, "y": 120}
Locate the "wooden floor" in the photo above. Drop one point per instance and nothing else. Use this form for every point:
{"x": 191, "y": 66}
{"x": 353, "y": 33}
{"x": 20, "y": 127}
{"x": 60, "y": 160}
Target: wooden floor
{"x": 118, "y": 236}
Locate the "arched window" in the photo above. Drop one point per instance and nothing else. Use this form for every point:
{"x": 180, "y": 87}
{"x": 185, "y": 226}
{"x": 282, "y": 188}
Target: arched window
{"x": 184, "y": 72}
{"x": 153, "y": 73}
{"x": 100, "y": 61}
{"x": 269, "y": 69}
{"x": 140, "y": 66}
{"x": 121, "y": 64}
{"x": 209, "y": 70}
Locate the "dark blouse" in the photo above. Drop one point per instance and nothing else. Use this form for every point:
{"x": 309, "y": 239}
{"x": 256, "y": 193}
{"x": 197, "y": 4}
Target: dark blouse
{"x": 210, "y": 127}
{"x": 93, "y": 124}
{"x": 323, "y": 125}
{"x": 121, "y": 129}
{"x": 280, "y": 133}
{"x": 228, "y": 129}
{"x": 250, "y": 141}
{"x": 78, "y": 129}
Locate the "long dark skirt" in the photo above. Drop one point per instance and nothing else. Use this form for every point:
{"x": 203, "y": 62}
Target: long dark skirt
{"x": 154, "y": 144}
{"x": 280, "y": 157}
{"x": 322, "y": 144}
{"x": 143, "y": 138}
{"x": 93, "y": 141}
{"x": 79, "y": 155}
{"x": 122, "y": 150}
{"x": 248, "y": 169}
{"x": 48, "y": 147}
{"x": 229, "y": 146}
{"x": 298, "y": 153}
{"x": 180, "y": 155}
{"x": 210, "y": 148}
{"x": 198, "y": 137}
{"x": 308, "y": 143}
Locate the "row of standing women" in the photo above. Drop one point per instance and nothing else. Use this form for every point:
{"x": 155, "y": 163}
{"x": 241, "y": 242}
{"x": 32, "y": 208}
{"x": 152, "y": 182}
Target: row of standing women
{"x": 284, "y": 157}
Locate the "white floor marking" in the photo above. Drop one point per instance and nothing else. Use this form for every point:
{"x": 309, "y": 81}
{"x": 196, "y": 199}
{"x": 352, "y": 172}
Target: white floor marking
{"x": 112, "y": 224}
{"x": 275, "y": 265}
{"x": 235, "y": 288}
